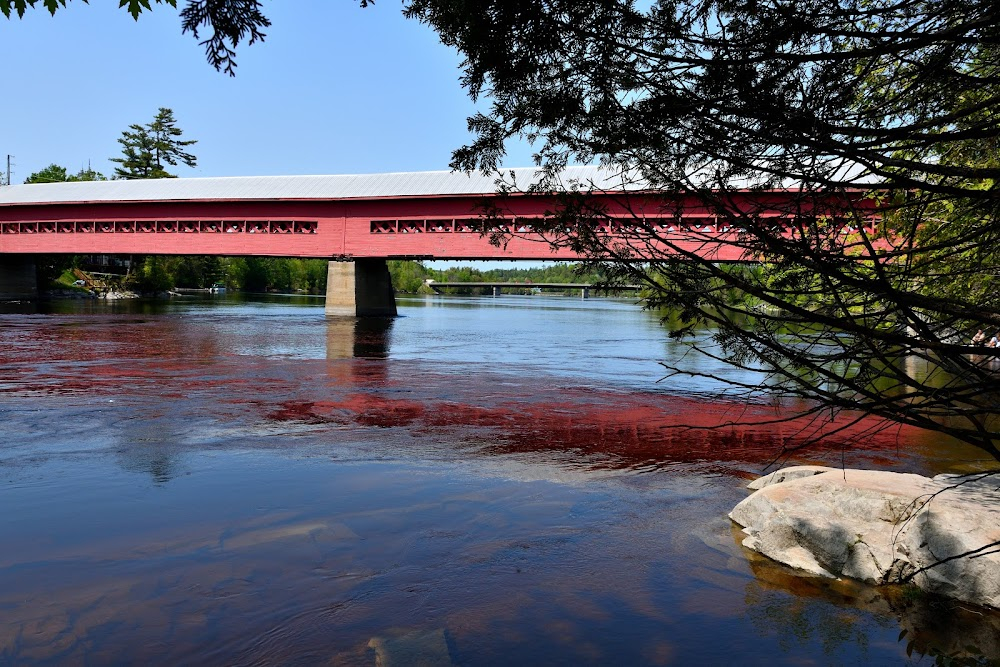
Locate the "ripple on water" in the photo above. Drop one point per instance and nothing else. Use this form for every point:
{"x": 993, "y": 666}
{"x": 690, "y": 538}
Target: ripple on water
{"x": 481, "y": 483}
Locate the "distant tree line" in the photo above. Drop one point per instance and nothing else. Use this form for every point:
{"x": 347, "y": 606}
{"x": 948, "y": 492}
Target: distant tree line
{"x": 249, "y": 274}
{"x": 154, "y": 273}
{"x": 411, "y": 277}
{"x": 55, "y": 173}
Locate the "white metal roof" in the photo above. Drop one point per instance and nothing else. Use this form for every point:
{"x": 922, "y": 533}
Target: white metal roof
{"x": 420, "y": 183}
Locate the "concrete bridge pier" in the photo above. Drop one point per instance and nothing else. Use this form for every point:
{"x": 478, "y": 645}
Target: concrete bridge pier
{"x": 17, "y": 278}
{"x": 585, "y": 293}
{"x": 496, "y": 291}
{"x": 359, "y": 288}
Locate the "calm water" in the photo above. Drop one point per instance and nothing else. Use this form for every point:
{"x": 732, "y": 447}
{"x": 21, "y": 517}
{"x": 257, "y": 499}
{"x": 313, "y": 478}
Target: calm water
{"x": 478, "y": 482}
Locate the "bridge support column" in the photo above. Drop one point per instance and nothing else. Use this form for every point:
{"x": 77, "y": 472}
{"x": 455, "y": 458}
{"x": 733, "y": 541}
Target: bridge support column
{"x": 585, "y": 293}
{"x": 496, "y": 291}
{"x": 17, "y": 278}
{"x": 359, "y": 288}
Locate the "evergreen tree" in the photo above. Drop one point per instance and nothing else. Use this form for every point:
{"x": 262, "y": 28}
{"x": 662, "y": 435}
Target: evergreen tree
{"x": 147, "y": 148}
{"x": 167, "y": 145}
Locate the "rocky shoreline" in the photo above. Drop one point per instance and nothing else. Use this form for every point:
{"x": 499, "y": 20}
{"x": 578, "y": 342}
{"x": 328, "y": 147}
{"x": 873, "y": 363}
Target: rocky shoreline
{"x": 940, "y": 534}
{"x": 109, "y": 295}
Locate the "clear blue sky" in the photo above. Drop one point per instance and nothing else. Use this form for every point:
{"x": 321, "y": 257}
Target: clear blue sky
{"x": 333, "y": 89}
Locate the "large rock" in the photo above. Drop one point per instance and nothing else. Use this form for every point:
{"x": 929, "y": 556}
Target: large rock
{"x": 787, "y": 475}
{"x": 882, "y": 527}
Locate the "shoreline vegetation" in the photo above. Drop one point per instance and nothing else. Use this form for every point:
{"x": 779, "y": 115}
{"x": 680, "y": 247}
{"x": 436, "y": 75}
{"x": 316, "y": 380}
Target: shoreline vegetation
{"x": 156, "y": 276}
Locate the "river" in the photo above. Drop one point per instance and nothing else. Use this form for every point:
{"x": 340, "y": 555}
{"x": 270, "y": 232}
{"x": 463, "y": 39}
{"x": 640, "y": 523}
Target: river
{"x": 480, "y": 481}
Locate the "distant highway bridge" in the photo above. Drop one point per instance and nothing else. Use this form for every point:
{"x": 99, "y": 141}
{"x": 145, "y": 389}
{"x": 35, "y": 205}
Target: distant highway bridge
{"x": 356, "y": 222}
{"x": 497, "y": 287}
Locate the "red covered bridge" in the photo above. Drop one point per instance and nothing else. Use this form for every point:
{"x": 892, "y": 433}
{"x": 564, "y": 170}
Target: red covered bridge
{"x": 356, "y": 221}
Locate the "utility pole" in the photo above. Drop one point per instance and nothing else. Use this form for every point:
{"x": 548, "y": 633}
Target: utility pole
{"x": 8, "y": 168}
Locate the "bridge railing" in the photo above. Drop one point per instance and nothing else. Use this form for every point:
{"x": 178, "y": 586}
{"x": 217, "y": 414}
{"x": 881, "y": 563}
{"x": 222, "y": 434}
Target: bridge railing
{"x": 688, "y": 225}
{"x": 161, "y": 227}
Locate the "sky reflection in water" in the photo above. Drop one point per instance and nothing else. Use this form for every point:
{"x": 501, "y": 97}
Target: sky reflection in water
{"x": 483, "y": 481}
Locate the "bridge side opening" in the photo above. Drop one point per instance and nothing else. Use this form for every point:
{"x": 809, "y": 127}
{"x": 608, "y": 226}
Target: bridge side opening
{"x": 359, "y": 288}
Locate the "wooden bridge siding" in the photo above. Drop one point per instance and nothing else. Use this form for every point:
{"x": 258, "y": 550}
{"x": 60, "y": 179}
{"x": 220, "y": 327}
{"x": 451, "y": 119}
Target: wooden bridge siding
{"x": 361, "y": 242}
{"x": 343, "y": 228}
{"x": 327, "y": 240}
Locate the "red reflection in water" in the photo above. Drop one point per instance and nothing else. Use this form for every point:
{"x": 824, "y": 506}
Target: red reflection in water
{"x": 171, "y": 359}
{"x": 609, "y": 430}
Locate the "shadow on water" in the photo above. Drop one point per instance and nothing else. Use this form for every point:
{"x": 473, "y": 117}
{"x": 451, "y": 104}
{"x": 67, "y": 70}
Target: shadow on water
{"x": 358, "y": 337}
{"x": 780, "y": 600}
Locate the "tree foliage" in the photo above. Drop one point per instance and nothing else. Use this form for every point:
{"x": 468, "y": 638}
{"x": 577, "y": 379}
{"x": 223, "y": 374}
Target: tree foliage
{"x": 410, "y": 277}
{"x": 407, "y": 277}
{"x": 55, "y": 173}
{"x": 225, "y": 23}
{"x": 697, "y": 103}
{"x": 50, "y": 174}
{"x": 250, "y": 274}
{"x": 147, "y": 148}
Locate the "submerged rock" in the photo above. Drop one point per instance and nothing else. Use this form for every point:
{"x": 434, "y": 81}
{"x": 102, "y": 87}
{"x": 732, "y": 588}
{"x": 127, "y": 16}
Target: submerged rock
{"x": 413, "y": 649}
{"x": 941, "y": 534}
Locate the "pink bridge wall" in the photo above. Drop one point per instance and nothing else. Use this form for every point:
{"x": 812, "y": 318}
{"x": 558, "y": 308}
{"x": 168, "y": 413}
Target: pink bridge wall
{"x": 416, "y": 227}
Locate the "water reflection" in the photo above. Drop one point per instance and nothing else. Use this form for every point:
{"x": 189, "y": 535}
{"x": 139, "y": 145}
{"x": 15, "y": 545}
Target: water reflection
{"x": 358, "y": 337}
{"x": 239, "y": 482}
{"x": 151, "y": 446}
{"x": 783, "y": 601}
